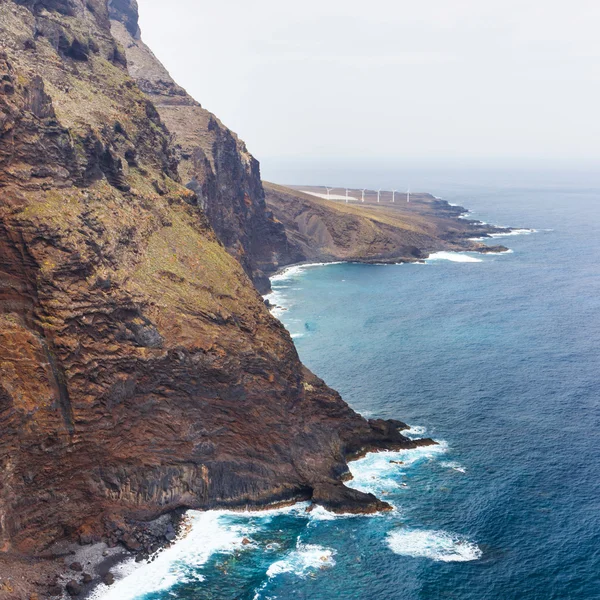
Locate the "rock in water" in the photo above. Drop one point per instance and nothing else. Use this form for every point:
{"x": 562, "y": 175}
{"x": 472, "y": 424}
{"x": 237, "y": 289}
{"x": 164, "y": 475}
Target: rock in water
{"x": 73, "y": 588}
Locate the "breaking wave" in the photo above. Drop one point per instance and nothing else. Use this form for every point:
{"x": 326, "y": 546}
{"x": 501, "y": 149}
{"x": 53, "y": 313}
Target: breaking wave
{"x": 382, "y": 473}
{"x": 304, "y": 559}
{"x": 435, "y": 545}
{"x": 453, "y": 256}
{"x": 178, "y": 563}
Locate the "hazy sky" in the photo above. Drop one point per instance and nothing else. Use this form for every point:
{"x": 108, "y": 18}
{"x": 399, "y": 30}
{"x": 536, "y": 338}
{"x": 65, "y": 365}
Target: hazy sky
{"x": 395, "y": 79}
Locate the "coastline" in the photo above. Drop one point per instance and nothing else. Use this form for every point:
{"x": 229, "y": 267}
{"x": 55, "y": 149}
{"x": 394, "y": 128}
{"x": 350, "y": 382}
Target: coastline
{"x": 471, "y": 241}
{"x": 128, "y": 562}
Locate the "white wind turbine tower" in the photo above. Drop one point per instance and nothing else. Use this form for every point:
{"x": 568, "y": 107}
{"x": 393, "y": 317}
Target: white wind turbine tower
{"x": 408, "y": 195}
{"x": 378, "y": 194}
{"x": 329, "y": 190}
{"x": 347, "y": 190}
{"x": 394, "y": 195}
{"x": 363, "y": 195}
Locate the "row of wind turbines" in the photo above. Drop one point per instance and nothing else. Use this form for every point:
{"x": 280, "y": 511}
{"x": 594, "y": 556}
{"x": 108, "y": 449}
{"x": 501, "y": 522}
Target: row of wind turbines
{"x": 329, "y": 190}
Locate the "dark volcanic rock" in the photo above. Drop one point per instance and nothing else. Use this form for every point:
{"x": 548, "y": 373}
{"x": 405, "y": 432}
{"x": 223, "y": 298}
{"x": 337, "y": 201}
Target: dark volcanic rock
{"x": 341, "y": 499}
{"x": 73, "y": 588}
{"x": 493, "y": 249}
{"x": 54, "y": 590}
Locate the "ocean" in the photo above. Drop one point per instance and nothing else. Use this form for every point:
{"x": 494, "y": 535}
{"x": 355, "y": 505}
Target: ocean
{"x": 497, "y": 357}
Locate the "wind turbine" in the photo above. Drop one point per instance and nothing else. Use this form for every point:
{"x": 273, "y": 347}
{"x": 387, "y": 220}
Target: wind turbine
{"x": 394, "y": 195}
{"x": 347, "y": 195}
{"x": 329, "y": 190}
{"x": 378, "y": 194}
{"x": 408, "y": 195}
{"x": 363, "y": 195}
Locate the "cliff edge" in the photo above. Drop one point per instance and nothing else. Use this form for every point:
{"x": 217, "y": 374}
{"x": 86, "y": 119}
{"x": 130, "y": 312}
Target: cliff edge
{"x": 211, "y": 160}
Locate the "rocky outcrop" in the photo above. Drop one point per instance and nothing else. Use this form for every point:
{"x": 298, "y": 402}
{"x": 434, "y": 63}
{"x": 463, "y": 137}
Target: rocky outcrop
{"x": 140, "y": 372}
{"x": 323, "y": 230}
{"x": 213, "y": 161}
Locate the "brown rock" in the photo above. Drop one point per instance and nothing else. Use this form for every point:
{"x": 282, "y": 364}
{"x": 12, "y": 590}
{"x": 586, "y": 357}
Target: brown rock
{"x": 108, "y": 579}
{"x": 73, "y": 588}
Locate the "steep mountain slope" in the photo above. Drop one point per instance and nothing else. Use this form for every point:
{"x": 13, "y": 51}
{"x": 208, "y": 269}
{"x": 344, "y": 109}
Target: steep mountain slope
{"x": 213, "y": 161}
{"x": 322, "y": 230}
{"x": 140, "y": 371}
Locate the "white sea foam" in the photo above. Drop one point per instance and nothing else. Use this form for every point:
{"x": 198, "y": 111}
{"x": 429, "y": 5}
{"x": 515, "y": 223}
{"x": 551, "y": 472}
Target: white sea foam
{"x": 454, "y": 466}
{"x": 415, "y": 430}
{"x": 279, "y": 301}
{"x": 381, "y": 473}
{"x": 208, "y": 535}
{"x": 436, "y": 545}
{"x": 295, "y": 270}
{"x": 306, "y": 558}
{"x": 453, "y": 256}
{"x": 287, "y": 274}
{"x": 513, "y": 232}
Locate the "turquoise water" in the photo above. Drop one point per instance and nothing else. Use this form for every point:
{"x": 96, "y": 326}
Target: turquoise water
{"x": 497, "y": 359}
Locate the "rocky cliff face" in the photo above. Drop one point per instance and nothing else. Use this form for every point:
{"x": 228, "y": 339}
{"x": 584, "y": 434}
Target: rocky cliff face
{"x": 140, "y": 371}
{"x": 212, "y": 160}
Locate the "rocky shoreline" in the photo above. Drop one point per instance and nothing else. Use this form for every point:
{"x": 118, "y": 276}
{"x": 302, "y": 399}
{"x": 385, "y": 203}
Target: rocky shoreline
{"x": 89, "y": 564}
{"x": 76, "y": 568}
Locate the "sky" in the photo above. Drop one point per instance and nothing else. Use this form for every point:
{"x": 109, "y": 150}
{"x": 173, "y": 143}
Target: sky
{"x": 394, "y": 80}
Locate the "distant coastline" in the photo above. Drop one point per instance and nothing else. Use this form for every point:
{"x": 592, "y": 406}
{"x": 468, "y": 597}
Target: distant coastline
{"x": 323, "y": 231}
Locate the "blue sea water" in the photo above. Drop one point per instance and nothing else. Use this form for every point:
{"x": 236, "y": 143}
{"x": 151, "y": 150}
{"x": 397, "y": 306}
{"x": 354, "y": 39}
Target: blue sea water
{"x": 499, "y": 360}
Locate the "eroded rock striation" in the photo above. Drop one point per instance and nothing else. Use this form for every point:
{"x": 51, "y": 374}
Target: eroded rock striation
{"x": 140, "y": 372}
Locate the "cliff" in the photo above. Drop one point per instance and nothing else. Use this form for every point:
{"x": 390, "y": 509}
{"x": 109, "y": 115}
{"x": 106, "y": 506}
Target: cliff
{"x": 140, "y": 372}
{"x": 212, "y": 160}
{"x": 324, "y": 230}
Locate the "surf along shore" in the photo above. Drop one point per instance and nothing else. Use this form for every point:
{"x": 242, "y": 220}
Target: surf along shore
{"x": 455, "y": 234}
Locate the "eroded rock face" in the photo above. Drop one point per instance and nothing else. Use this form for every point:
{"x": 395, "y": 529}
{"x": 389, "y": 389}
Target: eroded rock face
{"x": 140, "y": 371}
{"x": 213, "y": 161}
